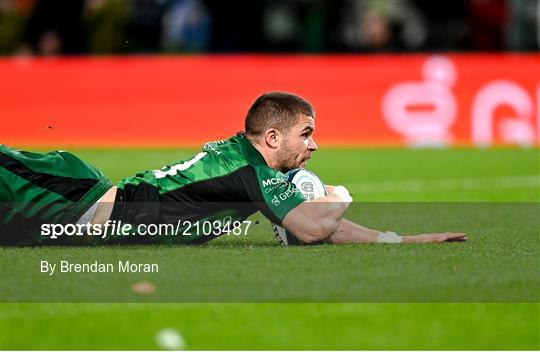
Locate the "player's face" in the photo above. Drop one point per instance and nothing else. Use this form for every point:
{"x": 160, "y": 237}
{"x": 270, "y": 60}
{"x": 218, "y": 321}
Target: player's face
{"x": 297, "y": 145}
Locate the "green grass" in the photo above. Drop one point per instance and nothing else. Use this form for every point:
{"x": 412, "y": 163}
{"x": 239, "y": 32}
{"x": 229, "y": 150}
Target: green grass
{"x": 274, "y": 326}
{"x": 499, "y": 264}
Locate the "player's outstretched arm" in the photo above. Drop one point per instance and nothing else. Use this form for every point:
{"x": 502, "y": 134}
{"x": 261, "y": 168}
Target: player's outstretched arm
{"x": 315, "y": 221}
{"x": 349, "y": 232}
{"x": 436, "y": 237}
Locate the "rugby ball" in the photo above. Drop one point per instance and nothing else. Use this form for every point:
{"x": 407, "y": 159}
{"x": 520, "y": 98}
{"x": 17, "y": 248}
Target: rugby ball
{"x": 311, "y": 187}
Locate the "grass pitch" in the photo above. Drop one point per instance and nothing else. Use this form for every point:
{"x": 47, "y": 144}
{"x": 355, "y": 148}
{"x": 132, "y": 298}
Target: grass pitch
{"x": 499, "y": 264}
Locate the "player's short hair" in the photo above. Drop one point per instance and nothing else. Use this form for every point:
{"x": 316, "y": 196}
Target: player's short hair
{"x": 279, "y": 110}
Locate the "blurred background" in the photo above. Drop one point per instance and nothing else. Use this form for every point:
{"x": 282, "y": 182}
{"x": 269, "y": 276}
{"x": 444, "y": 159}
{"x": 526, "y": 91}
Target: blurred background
{"x": 378, "y": 72}
{"x": 75, "y": 27}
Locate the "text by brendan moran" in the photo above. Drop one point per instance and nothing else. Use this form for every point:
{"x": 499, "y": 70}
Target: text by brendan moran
{"x": 122, "y": 266}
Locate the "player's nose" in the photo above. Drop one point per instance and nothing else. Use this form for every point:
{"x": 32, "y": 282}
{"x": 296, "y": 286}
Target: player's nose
{"x": 312, "y": 145}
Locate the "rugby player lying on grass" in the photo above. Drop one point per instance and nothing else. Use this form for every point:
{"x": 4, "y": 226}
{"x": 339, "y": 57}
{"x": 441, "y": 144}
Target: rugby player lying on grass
{"x": 231, "y": 179}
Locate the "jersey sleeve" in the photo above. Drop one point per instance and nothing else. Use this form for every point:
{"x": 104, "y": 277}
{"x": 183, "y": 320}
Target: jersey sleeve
{"x": 274, "y": 195}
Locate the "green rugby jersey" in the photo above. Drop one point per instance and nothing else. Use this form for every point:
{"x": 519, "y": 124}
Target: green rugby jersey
{"x": 228, "y": 178}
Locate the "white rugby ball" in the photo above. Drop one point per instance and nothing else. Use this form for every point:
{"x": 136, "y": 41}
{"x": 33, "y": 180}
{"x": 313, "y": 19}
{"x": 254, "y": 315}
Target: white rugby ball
{"x": 311, "y": 187}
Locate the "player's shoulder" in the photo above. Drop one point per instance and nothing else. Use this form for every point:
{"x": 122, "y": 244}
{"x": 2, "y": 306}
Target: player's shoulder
{"x": 219, "y": 146}
{"x": 264, "y": 172}
{"x": 238, "y": 150}
{"x": 227, "y": 151}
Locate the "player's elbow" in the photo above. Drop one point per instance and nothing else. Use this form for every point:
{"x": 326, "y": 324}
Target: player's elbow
{"x": 319, "y": 231}
{"x": 312, "y": 223}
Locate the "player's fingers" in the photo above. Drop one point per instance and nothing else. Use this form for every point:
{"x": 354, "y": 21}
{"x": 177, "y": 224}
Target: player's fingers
{"x": 440, "y": 237}
{"x": 456, "y": 237}
{"x": 460, "y": 239}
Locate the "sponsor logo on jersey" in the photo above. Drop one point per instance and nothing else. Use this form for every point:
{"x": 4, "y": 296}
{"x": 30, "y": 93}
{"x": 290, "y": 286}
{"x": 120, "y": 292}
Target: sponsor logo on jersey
{"x": 212, "y": 147}
{"x": 272, "y": 184}
{"x": 273, "y": 181}
{"x": 287, "y": 194}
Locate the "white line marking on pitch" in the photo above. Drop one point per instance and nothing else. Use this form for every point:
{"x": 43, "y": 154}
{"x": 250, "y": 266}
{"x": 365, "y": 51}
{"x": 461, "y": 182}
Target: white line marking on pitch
{"x": 527, "y": 181}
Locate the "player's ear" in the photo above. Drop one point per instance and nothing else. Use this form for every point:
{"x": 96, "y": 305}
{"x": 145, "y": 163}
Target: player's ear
{"x": 272, "y": 138}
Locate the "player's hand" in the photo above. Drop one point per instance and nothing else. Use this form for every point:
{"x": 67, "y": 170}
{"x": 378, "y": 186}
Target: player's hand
{"x": 343, "y": 194}
{"x": 436, "y": 238}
